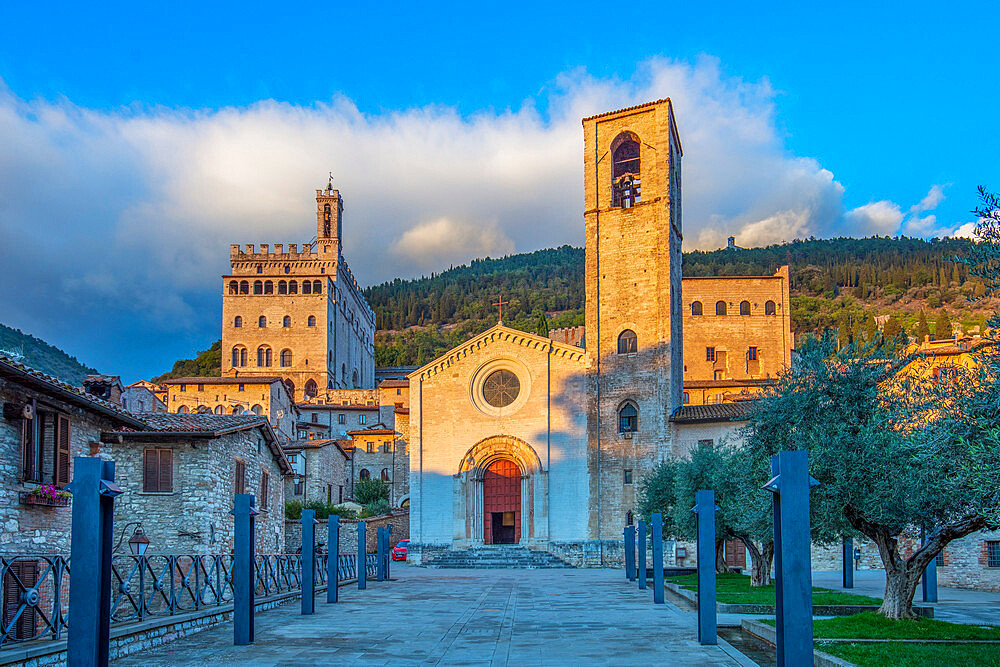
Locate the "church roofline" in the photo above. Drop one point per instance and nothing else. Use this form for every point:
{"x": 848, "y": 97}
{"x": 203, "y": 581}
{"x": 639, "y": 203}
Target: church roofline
{"x": 520, "y": 337}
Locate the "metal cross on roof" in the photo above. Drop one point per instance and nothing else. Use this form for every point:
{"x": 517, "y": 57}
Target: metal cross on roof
{"x": 500, "y": 303}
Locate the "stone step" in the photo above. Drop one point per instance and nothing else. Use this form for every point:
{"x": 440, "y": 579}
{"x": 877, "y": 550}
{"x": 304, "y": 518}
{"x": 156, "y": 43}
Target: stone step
{"x": 497, "y": 557}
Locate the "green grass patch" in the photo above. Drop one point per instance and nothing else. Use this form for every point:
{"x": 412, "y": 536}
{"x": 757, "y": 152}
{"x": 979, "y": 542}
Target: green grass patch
{"x": 869, "y": 625}
{"x": 915, "y": 655}
{"x": 731, "y": 588}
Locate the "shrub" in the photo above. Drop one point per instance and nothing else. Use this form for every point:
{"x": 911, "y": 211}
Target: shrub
{"x": 368, "y": 491}
{"x": 293, "y": 510}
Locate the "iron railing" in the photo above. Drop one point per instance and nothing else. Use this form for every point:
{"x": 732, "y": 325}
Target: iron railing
{"x": 34, "y": 589}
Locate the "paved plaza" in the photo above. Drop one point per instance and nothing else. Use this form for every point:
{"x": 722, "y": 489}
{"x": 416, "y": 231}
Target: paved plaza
{"x": 465, "y": 617}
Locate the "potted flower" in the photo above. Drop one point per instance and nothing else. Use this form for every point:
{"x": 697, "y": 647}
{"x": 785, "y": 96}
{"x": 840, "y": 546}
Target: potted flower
{"x": 46, "y": 494}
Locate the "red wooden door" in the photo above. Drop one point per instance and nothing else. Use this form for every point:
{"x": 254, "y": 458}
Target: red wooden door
{"x": 502, "y": 503}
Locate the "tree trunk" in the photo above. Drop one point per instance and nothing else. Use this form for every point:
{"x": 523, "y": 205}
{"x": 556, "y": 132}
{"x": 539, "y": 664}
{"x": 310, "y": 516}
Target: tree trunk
{"x": 762, "y": 558}
{"x": 720, "y": 556}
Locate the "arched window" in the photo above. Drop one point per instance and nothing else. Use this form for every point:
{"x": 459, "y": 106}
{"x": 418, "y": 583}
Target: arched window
{"x": 235, "y": 410}
{"x": 769, "y": 308}
{"x": 258, "y": 287}
{"x": 326, "y": 220}
{"x": 311, "y": 321}
{"x": 290, "y": 385}
{"x": 234, "y": 287}
{"x": 260, "y": 269}
{"x": 257, "y": 410}
{"x": 288, "y": 269}
{"x": 625, "y": 177}
{"x": 628, "y": 418}
{"x": 262, "y": 321}
{"x": 364, "y": 474}
{"x": 282, "y": 287}
{"x": 720, "y": 308}
{"x": 239, "y": 356}
{"x": 286, "y": 358}
{"x": 311, "y": 389}
{"x": 355, "y": 379}
{"x": 317, "y": 287}
{"x": 263, "y": 356}
{"x": 218, "y": 409}
{"x": 286, "y": 321}
{"x": 696, "y": 308}
{"x": 293, "y": 287}
{"x": 244, "y": 287}
{"x": 629, "y": 518}
{"x": 238, "y": 322}
{"x": 204, "y": 410}
{"x": 183, "y": 410}
{"x": 268, "y": 287}
{"x": 384, "y": 475}
{"x": 627, "y": 342}
{"x": 744, "y": 307}
{"x": 306, "y": 287}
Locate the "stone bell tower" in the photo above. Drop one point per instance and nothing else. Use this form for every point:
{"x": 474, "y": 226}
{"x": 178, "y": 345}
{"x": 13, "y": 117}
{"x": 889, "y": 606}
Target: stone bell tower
{"x": 329, "y": 217}
{"x": 632, "y": 210}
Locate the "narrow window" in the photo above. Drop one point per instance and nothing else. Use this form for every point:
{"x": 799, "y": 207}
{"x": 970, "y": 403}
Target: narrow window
{"x": 240, "y": 477}
{"x": 306, "y": 287}
{"x": 696, "y": 308}
{"x": 311, "y": 321}
{"x": 361, "y": 419}
{"x": 286, "y": 321}
{"x": 158, "y": 471}
{"x": 317, "y": 287}
{"x": 263, "y": 356}
{"x": 238, "y": 322}
{"x": 288, "y": 269}
{"x": 265, "y": 479}
{"x": 341, "y": 419}
{"x": 244, "y": 287}
{"x": 60, "y": 476}
{"x": 720, "y": 308}
{"x": 769, "y": 308}
{"x": 234, "y": 287}
{"x": 260, "y": 269}
{"x": 687, "y": 398}
{"x": 709, "y": 354}
{"x": 315, "y": 418}
{"x": 29, "y": 449}
{"x": 744, "y": 307}
{"x": 625, "y": 181}
{"x": 384, "y": 474}
{"x": 370, "y": 447}
{"x": 183, "y": 387}
{"x": 355, "y": 379}
{"x": 628, "y": 477}
{"x": 262, "y": 322}
{"x": 628, "y": 418}
{"x": 627, "y": 342}
{"x": 286, "y": 358}
{"x": 629, "y": 519}
{"x": 364, "y": 474}
{"x": 283, "y": 285}
{"x": 326, "y": 220}
{"x": 752, "y": 354}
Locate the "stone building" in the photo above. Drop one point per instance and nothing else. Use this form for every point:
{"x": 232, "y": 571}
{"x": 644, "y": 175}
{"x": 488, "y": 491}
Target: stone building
{"x": 379, "y": 453}
{"x": 298, "y": 313}
{"x": 262, "y": 395}
{"x": 518, "y": 438}
{"x": 180, "y": 472}
{"x": 45, "y": 424}
{"x": 140, "y": 398}
{"x": 319, "y": 471}
{"x": 340, "y": 417}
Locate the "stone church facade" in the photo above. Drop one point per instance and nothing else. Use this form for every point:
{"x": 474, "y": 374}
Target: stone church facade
{"x": 519, "y": 438}
{"x": 299, "y": 314}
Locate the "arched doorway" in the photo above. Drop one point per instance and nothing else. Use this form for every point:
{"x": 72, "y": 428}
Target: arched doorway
{"x": 502, "y": 503}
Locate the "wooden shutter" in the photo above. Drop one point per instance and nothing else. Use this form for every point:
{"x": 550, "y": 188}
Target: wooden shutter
{"x": 150, "y": 471}
{"x": 61, "y": 473}
{"x": 240, "y": 477}
{"x": 264, "y": 478}
{"x": 25, "y": 572}
{"x": 165, "y": 475}
{"x": 28, "y": 445}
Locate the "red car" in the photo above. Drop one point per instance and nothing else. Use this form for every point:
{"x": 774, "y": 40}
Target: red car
{"x": 399, "y": 551}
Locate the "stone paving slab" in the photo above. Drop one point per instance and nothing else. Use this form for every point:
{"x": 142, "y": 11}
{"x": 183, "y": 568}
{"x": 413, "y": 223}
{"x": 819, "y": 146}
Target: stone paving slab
{"x": 463, "y": 617}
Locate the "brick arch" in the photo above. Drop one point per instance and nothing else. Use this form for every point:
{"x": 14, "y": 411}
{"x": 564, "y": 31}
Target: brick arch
{"x": 497, "y": 447}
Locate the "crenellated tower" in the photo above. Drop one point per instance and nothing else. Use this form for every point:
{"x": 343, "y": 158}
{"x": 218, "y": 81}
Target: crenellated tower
{"x": 329, "y": 220}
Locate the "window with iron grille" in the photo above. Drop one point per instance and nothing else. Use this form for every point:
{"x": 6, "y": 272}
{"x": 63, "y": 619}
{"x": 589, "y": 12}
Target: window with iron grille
{"x": 993, "y": 554}
{"x": 752, "y": 354}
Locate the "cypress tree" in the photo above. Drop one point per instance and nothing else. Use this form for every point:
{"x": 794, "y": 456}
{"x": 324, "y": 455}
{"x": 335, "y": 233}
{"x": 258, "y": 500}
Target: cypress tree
{"x": 922, "y": 331}
{"x": 942, "y": 327}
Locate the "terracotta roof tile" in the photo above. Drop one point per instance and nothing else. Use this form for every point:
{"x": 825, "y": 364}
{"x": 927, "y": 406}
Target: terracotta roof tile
{"x": 716, "y": 412}
{"x": 631, "y": 108}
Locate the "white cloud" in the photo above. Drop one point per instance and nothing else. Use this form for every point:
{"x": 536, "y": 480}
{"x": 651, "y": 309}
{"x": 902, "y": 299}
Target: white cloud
{"x": 130, "y": 212}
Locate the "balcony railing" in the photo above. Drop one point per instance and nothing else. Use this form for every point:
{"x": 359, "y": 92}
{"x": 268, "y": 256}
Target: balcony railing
{"x": 34, "y": 589}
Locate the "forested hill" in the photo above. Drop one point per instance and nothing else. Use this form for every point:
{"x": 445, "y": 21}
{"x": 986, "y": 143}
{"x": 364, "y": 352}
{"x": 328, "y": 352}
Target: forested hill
{"x": 38, "y": 354}
{"x": 832, "y": 281}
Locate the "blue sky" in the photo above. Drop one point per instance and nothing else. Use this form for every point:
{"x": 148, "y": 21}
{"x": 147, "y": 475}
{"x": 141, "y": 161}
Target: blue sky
{"x": 151, "y": 136}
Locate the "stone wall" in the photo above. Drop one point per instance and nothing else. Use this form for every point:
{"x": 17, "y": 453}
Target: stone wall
{"x": 966, "y": 565}
{"x": 326, "y": 474}
{"x": 400, "y": 522}
{"x": 33, "y": 528}
{"x": 396, "y": 462}
{"x": 194, "y": 518}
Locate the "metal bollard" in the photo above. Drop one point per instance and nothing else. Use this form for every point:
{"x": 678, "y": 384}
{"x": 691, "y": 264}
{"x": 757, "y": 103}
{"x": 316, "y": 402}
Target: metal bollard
{"x": 243, "y": 568}
{"x": 94, "y": 491}
{"x": 380, "y": 554}
{"x": 707, "y": 623}
{"x": 630, "y": 552}
{"x": 848, "y": 565}
{"x": 656, "y": 526}
{"x": 308, "y": 561}
{"x": 793, "y": 583}
{"x": 928, "y": 582}
{"x": 388, "y": 550}
{"x": 333, "y": 558}
{"x": 362, "y": 557}
{"x": 641, "y": 545}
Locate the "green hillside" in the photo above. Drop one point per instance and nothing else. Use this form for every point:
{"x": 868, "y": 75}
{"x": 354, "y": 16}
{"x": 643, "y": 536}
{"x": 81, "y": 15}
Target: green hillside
{"x": 840, "y": 283}
{"x": 38, "y": 354}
